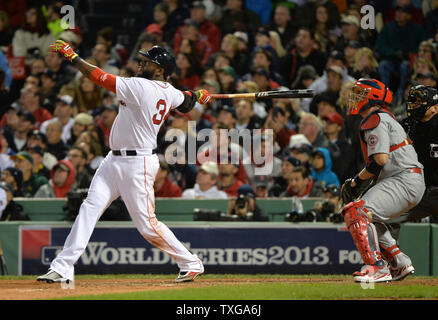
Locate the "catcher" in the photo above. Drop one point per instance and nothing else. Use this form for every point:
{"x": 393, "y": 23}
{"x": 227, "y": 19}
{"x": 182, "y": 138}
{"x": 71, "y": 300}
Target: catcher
{"x": 391, "y": 183}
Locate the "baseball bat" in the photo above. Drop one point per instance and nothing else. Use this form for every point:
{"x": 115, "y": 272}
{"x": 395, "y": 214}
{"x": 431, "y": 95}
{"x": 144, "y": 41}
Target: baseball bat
{"x": 305, "y": 93}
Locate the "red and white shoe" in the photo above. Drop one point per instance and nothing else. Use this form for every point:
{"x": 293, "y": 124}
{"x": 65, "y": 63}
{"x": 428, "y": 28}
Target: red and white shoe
{"x": 401, "y": 273}
{"x": 186, "y": 276}
{"x": 371, "y": 274}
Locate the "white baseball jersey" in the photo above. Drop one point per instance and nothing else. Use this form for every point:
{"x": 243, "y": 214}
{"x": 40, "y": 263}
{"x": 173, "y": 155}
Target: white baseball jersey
{"x": 145, "y": 106}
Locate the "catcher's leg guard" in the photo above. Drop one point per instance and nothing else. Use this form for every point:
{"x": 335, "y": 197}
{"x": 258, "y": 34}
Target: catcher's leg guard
{"x": 364, "y": 233}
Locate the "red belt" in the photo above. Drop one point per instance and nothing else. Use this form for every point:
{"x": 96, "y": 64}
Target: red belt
{"x": 404, "y": 143}
{"x": 416, "y": 170}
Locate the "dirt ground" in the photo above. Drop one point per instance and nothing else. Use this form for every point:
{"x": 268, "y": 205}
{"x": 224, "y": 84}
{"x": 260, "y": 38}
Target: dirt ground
{"x": 31, "y": 289}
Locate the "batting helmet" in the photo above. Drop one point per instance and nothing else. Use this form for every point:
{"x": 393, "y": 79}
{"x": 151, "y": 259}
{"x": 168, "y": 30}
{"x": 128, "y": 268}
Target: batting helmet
{"x": 366, "y": 93}
{"x": 161, "y": 57}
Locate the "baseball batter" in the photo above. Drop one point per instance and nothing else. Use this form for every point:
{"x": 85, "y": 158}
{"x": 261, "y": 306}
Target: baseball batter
{"x": 391, "y": 161}
{"x": 130, "y": 167}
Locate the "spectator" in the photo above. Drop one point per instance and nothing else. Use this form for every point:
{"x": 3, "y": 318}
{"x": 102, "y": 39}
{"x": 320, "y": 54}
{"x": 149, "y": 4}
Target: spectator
{"x": 227, "y": 180}
{"x": 263, "y": 58}
{"x": 64, "y": 73}
{"x": 82, "y": 121}
{"x": 177, "y": 13}
{"x": 245, "y": 118}
{"x": 118, "y": 53}
{"x": 10, "y": 119}
{"x": 87, "y": 95}
{"x": 161, "y": 17}
{"x": 102, "y": 54}
{"x": 63, "y": 112}
{"x": 13, "y": 177}
{"x": 427, "y": 51}
{"x": 236, "y": 16}
{"x": 9, "y": 209}
{"x": 306, "y": 75}
{"x": 351, "y": 31}
{"x": 312, "y": 128}
{"x": 428, "y": 79}
{"x": 48, "y": 90}
{"x": 335, "y": 59}
{"x": 324, "y": 28}
{"x": 301, "y": 185}
{"x": 37, "y": 138}
{"x": 30, "y": 103}
{"x": 277, "y": 121}
{"x": 205, "y": 187}
{"x": 91, "y": 145}
{"x": 431, "y": 23}
{"x": 16, "y": 10}
{"x": 186, "y": 77}
{"x": 79, "y": 159}
{"x": 321, "y": 168}
{"x": 340, "y": 147}
{"x": 395, "y": 43}
{"x": 227, "y": 79}
{"x": 106, "y": 120}
{"x": 350, "y": 51}
{"x": 62, "y": 177}
{"x": 245, "y": 208}
{"x": 323, "y": 104}
{"x": 38, "y": 167}
{"x": 189, "y": 47}
{"x": 261, "y": 186}
{"x": 32, "y": 40}
{"x": 52, "y": 14}
{"x": 281, "y": 182}
{"x": 190, "y": 31}
{"x": 5, "y": 96}
{"x": 31, "y": 182}
{"x": 283, "y": 24}
{"x": 17, "y": 139}
{"x": 305, "y": 13}
{"x": 237, "y": 58}
{"x": 302, "y": 151}
{"x": 55, "y": 145}
{"x": 416, "y": 13}
{"x": 6, "y": 32}
{"x": 365, "y": 64}
{"x": 163, "y": 186}
{"x": 423, "y": 66}
{"x": 37, "y": 67}
{"x": 5, "y": 160}
{"x": 304, "y": 53}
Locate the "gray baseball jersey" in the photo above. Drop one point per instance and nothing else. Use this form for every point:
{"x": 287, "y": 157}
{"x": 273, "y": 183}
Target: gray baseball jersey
{"x": 400, "y": 184}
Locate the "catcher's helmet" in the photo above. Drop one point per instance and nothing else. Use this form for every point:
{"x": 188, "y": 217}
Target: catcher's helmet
{"x": 366, "y": 93}
{"x": 162, "y": 57}
{"x": 420, "y": 99}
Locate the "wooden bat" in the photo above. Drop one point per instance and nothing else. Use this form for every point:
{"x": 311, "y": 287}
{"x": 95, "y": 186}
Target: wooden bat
{"x": 305, "y": 93}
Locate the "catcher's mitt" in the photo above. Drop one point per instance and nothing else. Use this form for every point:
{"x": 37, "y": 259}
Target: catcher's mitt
{"x": 350, "y": 193}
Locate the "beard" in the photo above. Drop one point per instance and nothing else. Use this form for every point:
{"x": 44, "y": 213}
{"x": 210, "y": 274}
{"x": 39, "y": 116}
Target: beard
{"x": 146, "y": 74}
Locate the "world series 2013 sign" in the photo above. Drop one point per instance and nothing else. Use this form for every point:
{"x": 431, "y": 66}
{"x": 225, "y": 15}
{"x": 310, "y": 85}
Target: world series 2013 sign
{"x": 222, "y": 250}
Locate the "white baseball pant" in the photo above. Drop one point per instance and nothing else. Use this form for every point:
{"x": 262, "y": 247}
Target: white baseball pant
{"x": 132, "y": 178}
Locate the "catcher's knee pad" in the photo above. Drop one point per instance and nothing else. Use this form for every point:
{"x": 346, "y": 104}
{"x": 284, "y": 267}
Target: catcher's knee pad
{"x": 364, "y": 233}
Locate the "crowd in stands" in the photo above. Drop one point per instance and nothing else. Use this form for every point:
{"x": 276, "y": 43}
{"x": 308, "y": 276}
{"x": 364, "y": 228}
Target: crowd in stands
{"x": 55, "y": 123}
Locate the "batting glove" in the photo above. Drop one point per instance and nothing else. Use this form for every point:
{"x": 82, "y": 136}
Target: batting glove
{"x": 203, "y": 96}
{"x": 64, "y": 49}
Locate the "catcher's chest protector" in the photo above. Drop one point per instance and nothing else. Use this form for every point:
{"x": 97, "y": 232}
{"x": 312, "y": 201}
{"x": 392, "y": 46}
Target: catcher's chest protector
{"x": 368, "y": 123}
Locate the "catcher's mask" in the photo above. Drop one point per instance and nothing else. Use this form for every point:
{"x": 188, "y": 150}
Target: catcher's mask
{"x": 366, "y": 93}
{"x": 420, "y": 99}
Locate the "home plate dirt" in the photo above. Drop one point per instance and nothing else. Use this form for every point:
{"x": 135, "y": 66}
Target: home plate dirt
{"x": 32, "y": 289}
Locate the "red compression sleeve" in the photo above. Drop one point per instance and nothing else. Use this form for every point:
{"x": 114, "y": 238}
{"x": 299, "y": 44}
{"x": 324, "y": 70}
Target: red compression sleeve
{"x": 103, "y": 79}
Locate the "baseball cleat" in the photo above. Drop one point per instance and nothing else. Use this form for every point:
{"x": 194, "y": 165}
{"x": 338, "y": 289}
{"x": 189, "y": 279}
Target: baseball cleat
{"x": 401, "y": 273}
{"x": 52, "y": 277}
{"x": 186, "y": 276}
{"x": 371, "y": 274}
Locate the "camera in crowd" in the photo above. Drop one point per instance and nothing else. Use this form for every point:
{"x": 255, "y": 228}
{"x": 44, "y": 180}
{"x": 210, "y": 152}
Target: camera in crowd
{"x": 326, "y": 210}
{"x": 213, "y": 215}
{"x": 74, "y": 201}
